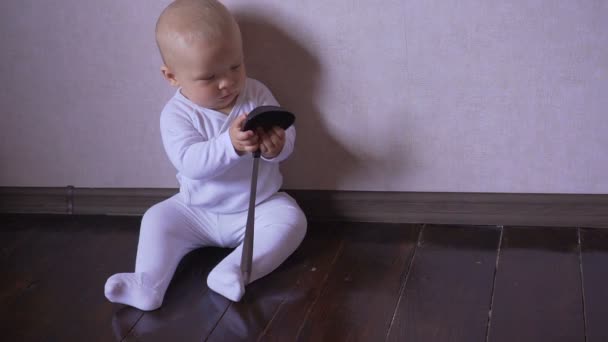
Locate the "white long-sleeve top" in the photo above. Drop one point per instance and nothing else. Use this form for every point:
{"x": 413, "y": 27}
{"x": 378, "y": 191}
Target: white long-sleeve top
{"x": 210, "y": 172}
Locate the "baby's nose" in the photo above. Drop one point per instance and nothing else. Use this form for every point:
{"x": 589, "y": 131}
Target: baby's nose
{"x": 226, "y": 82}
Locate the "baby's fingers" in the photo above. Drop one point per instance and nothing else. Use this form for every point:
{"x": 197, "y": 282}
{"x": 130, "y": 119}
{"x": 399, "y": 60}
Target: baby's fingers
{"x": 243, "y": 136}
{"x": 277, "y": 136}
{"x": 278, "y": 131}
{"x": 263, "y": 148}
{"x": 239, "y": 122}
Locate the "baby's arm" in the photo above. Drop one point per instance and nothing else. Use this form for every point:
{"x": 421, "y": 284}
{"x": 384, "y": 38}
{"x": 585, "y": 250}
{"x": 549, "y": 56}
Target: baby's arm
{"x": 193, "y": 154}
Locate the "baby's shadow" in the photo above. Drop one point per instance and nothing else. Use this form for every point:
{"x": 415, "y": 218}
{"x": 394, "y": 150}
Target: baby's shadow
{"x": 293, "y": 74}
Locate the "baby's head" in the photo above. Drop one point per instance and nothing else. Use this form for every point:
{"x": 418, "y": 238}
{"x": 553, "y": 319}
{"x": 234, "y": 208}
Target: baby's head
{"x": 200, "y": 44}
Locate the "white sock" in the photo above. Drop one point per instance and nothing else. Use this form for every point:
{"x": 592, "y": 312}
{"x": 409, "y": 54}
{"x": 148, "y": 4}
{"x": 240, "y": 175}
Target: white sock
{"x": 128, "y": 288}
{"x": 228, "y": 282}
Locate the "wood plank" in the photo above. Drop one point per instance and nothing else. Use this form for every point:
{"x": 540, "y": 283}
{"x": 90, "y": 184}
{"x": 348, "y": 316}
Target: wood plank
{"x": 65, "y": 266}
{"x": 110, "y": 248}
{"x": 448, "y": 291}
{"x": 594, "y": 246}
{"x": 313, "y": 263}
{"x": 54, "y": 268}
{"x": 190, "y": 309}
{"x": 538, "y": 294}
{"x": 31, "y": 269}
{"x": 16, "y": 231}
{"x": 274, "y": 307}
{"x": 362, "y": 291}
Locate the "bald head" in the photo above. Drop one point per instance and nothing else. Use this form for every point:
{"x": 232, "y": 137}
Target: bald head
{"x": 185, "y": 22}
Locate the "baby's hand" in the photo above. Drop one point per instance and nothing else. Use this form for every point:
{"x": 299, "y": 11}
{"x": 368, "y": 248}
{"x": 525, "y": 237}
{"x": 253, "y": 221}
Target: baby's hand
{"x": 243, "y": 142}
{"x": 271, "y": 141}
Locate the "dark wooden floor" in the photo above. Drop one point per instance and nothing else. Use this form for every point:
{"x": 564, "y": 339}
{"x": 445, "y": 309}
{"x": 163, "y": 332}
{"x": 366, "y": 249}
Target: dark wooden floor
{"x": 365, "y": 282}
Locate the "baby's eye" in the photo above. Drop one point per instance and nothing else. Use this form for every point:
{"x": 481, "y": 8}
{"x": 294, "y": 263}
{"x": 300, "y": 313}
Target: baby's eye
{"x": 207, "y": 78}
{"x": 236, "y": 67}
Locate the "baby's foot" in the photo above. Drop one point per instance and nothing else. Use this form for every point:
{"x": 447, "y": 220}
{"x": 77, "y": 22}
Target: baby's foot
{"x": 227, "y": 282}
{"x": 128, "y": 288}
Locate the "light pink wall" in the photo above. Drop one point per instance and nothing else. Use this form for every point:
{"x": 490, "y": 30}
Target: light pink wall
{"x": 394, "y": 95}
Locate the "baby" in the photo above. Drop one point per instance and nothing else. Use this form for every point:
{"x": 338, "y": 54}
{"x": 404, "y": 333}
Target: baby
{"x": 201, "y": 127}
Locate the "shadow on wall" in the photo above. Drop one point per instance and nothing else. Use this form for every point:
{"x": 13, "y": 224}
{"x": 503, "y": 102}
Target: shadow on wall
{"x": 293, "y": 74}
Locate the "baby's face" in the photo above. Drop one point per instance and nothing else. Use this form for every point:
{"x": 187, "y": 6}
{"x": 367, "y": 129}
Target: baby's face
{"x": 211, "y": 74}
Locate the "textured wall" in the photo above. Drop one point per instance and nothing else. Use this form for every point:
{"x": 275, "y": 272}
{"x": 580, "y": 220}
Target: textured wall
{"x": 480, "y": 96}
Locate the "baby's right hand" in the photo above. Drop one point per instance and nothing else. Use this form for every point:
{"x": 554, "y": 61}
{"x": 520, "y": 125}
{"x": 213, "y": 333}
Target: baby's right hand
{"x": 243, "y": 142}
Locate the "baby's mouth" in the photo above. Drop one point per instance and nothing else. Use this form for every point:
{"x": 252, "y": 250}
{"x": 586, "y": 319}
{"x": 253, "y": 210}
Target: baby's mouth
{"x": 226, "y": 97}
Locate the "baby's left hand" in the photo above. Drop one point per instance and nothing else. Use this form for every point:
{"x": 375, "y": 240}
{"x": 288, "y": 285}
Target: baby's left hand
{"x": 271, "y": 141}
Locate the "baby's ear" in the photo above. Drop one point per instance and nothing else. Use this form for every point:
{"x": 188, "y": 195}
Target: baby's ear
{"x": 168, "y": 75}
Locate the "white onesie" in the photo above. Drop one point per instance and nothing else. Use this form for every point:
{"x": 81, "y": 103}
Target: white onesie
{"x": 211, "y": 207}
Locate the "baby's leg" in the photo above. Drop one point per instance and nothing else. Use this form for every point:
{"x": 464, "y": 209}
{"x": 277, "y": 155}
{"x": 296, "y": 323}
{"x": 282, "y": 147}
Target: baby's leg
{"x": 280, "y": 226}
{"x": 168, "y": 232}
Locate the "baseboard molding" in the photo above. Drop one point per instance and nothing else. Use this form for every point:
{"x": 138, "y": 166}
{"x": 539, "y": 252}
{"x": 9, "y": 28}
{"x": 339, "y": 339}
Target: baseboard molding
{"x": 558, "y": 210}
